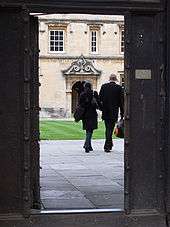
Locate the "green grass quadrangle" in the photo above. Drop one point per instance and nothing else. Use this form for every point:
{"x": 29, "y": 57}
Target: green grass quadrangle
{"x": 67, "y": 130}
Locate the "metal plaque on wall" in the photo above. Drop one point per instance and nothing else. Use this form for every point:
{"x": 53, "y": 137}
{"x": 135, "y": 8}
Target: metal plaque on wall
{"x": 143, "y": 74}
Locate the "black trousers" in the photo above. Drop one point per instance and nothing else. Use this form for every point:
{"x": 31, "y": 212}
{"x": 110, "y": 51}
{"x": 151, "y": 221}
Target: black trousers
{"x": 87, "y": 143}
{"x": 109, "y": 126}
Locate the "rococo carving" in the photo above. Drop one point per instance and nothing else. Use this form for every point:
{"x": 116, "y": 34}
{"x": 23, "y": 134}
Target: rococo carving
{"x": 81, "y": 67}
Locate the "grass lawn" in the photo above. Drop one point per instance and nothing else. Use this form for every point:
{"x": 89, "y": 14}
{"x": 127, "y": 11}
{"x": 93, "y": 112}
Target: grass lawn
{"x": 67, "y": 130}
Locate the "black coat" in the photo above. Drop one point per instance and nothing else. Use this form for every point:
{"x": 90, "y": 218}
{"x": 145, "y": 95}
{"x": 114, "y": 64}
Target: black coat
{"x": 111, "y": 98}
{"x": 90, "y": 115}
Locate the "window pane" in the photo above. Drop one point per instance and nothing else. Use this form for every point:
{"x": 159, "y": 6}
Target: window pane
{"x": 61, "y": 33}
{"x": 57, "y": 40}
{"x": 56, "y": 37}
{"x": 61, "y": 48}
{"x": 93, "y": 41}
{"x": 122, "y": 41}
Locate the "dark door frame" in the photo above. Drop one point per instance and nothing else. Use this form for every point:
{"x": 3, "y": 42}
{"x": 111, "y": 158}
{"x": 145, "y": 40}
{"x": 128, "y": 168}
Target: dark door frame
{"x": 87, "y": 6}
{"x": 129, "y": 208}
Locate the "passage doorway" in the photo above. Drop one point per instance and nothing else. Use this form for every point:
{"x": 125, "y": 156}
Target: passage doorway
{"x": 76, "y": 90}
{"x": 141, "y": 79}
{"x": 71, "y": 178}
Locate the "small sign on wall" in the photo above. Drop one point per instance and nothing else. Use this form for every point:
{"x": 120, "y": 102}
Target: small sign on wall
{"x": 143, "y": 74}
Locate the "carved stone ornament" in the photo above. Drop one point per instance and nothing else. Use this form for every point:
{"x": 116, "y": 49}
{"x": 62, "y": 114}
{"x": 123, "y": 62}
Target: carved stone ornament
{"x": 81, "y": 67}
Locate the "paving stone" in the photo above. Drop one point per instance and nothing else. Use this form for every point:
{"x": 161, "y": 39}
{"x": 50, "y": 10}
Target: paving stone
{"x": 54, "y": 183}
{"x": 120, "y": 182}
{"x": 115, "y": 188}
{"x": 55, "y": 177}
{"x": 76, "y": 203}
{"x": 75, "y": 173}
{"x": 90, "y": 181}
{"x": 48, "y": 194}
{"x": 73, "y": 179}
{"x": 110, "y": 199}
{"x": 47, "y": 173}
{"x": 113, "y": 175}
{"x": 57, "y": 187}
{"x": 112, "y": 206}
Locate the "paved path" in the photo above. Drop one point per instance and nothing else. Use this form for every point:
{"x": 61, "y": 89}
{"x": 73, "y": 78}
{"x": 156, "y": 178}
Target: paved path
{"x": 73, "y": 179}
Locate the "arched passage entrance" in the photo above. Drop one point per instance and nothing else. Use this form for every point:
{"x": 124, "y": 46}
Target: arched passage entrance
{"x": 76, "y": 90}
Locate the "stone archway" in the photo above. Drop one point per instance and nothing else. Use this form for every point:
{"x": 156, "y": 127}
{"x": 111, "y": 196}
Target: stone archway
{"x": 79, "y": 71}
{"x": 76, "y": 90}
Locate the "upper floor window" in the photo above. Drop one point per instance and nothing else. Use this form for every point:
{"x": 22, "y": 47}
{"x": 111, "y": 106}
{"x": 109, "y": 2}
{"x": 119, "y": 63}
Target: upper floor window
{"x": 56, "y": 40}
{"x": 94, "y": 41}
{"x": 122, "y": 42}
{"x": 122, "y": 80}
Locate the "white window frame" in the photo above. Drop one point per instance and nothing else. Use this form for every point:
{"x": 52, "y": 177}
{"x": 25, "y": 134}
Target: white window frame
{"x": 92, "y": 41}
{"x": 49, "y": 40}
{"x": 122, "y": 41}
{"x": 122, "y": 79}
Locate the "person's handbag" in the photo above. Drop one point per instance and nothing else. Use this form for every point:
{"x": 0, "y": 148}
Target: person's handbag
{"x": 119, "y": 129}
{"x": 78, "y": 114}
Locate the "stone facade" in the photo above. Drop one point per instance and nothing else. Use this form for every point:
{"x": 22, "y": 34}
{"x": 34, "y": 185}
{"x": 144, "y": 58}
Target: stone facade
{"x": 69, "y": 55}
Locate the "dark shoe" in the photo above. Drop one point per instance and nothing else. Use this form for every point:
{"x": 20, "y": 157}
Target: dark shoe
{"x": 87, "y": 150}
{"x": 107, "y": 150}
{"x": 109, "y": 147}
{"x": 90, "y": 148}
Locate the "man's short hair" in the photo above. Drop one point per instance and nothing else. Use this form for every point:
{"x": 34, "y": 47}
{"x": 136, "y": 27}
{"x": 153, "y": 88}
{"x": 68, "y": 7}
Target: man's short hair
{"x": 113, "y": 77}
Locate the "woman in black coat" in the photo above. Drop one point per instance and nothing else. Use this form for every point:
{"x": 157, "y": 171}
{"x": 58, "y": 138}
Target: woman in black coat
{"x": 89, "y": 100}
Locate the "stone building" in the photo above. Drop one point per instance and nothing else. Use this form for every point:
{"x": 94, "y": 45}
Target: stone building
{"x": 75, "y": 48}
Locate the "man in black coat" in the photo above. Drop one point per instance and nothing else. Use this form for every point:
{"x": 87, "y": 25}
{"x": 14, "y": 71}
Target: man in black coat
{"x": 111, "y": 98}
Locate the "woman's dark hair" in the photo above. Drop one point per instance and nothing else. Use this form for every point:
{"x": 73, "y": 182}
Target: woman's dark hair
{"x": 88, "y": 85}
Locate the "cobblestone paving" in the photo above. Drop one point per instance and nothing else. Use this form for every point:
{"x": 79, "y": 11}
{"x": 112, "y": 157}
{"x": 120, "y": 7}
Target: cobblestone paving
{"x": 73, "y": 179}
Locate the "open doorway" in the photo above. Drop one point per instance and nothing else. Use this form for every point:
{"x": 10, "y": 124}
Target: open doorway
{"x": 76, "y": 88}
{"x": 74, "y": 49}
